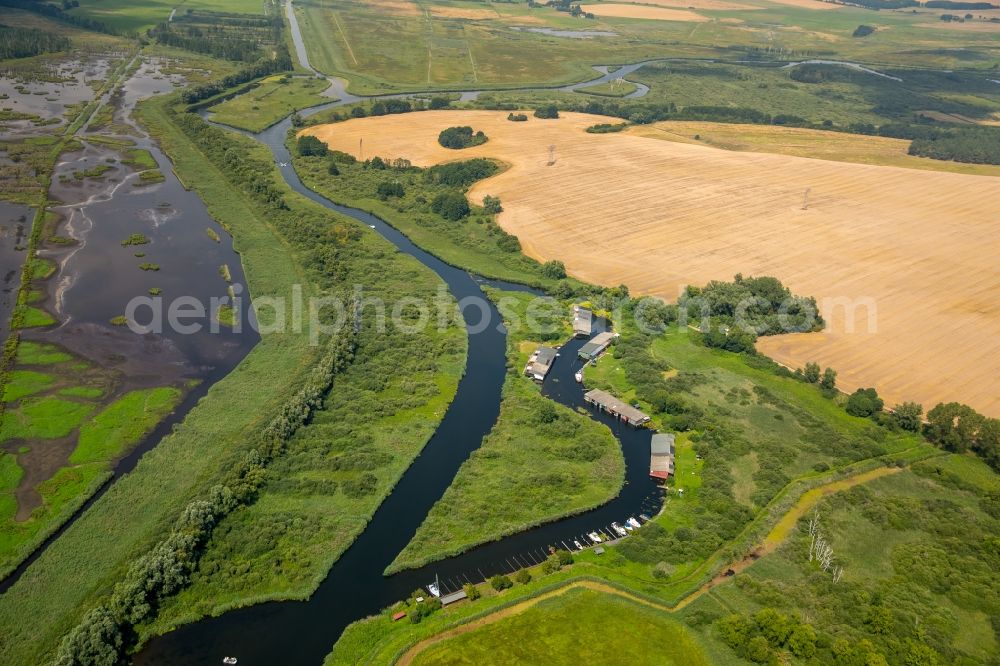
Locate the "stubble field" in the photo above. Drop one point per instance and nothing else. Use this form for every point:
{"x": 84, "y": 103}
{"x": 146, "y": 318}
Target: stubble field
{"x": 901, "y": 260}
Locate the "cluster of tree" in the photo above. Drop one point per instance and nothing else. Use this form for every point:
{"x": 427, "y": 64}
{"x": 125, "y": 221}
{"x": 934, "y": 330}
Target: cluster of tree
{"x": 568, "y": 6}
{"x": 959, "y": 428}
{"x": 975, "y": 145}
{"x": 58, "y": 13}
{"x": 749, "y": 306}
{"x": 862, "y": 31}
{"x": 27, "y": 42}
{"x": 758, "y": 638}
{"x": 827, "y": 380}
{"x": 281, "y": 62}
{"x": 107, "y": 631}
{"x": 461, "y": 137}
{"x": 517, "y": 117}
{"x": 865, "y": 402}
{"x": 461, "y": 174}
{"x": 547, "y": 111}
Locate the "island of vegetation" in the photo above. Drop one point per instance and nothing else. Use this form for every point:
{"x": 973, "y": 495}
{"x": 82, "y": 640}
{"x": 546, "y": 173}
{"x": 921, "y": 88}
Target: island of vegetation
{"x": 461, "y": 137}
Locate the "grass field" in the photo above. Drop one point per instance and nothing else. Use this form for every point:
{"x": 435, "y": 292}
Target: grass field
{"x": 471, "y": 44}
{"x": 540, "y": 462}
{"x": 578, "y": 625}
{"x": 274, "y": 99}
{"x": 897, "y": 555}
{"x": 127, "y": 17}
{"x": 875, "y": 232}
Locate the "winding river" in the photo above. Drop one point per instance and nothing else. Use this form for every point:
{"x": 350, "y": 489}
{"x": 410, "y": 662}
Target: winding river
{"x": 294, "y": 632}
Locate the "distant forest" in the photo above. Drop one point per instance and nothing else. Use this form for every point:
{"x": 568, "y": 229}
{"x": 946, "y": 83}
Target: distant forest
{"x": 27, "y": 42}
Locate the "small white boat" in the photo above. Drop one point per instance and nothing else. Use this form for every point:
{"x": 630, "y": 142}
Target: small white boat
{"x": 633, "y": 522}
{"x": 579, "y": 377}
{"x": 644, "y": 517}
{"x": 618, "y": 528}
{"x": 434, "y": 589}
{"x": 594, "y": 537}
{"x": 372, "y": 226}
{"x": 579, "y": 546}
{"x": 229, "y": 660}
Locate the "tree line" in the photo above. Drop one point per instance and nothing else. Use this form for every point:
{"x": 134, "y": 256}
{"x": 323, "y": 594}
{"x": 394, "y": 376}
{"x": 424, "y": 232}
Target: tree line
{"x": 27, "y": 42}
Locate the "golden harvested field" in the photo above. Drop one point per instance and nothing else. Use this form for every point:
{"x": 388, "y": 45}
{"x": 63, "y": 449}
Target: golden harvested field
{"x": 840, "y": 147}
{"x": 643, "y": 12}
{"x": 914, "y": 248}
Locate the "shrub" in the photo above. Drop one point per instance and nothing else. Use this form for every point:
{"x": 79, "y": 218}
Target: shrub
{"x": 342, "y": 157}
{"x": 439, "y": 103}
{"x": 450, "y": 205}
{"x": 500, "y": 582}
{"x": 554, "y": 269}
{"x": 471, "y": 591}
{"x": 386, "y": 189}
{"x": 908, "y": 416}
{"x": 523, "y": 577}
{"x": 517, "y": 117}
{"x": 862, "y": 31}
{"x": 509, "y": 243}
{"x": 332, "y": 169}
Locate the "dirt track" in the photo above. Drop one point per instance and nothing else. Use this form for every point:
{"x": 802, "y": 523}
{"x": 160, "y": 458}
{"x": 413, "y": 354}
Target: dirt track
{"x": 915, "y": 249}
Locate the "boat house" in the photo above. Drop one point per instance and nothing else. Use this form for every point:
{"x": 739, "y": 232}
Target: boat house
{"x": 540, "y": 363}
{"x": 596, "y": 346}
{"x": 661, "y": 456}
{"x": 582, "y": 322}
{"x": 617, "y": 408}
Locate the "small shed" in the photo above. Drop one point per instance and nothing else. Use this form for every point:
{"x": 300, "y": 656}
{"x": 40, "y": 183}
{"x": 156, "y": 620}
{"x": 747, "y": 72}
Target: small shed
{"x": 399, "y": 616}
{"x": 458, "y": 595}
{"x": 661, "y": 456}
{"x": 618, "y": 408}
{"x": 596, "y": 346}
{"x": 540, "y": 363}
{"x": 583, "y": 324}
